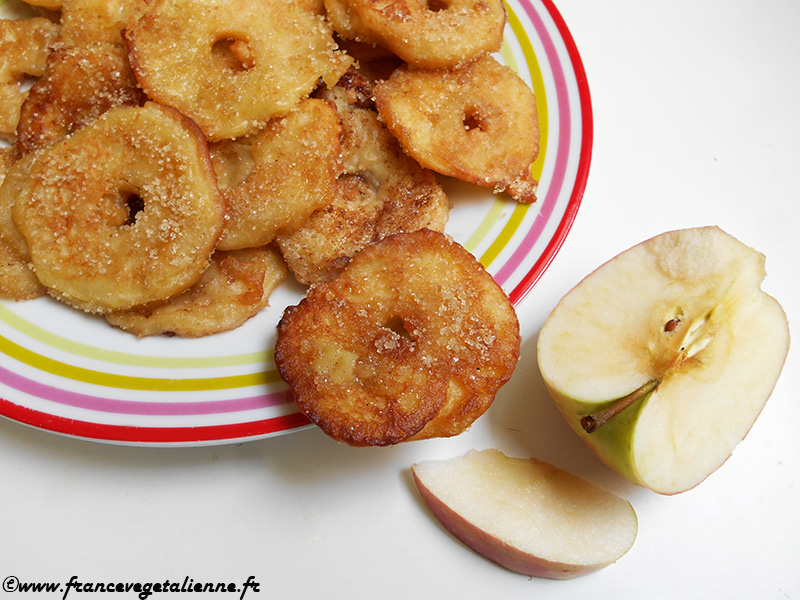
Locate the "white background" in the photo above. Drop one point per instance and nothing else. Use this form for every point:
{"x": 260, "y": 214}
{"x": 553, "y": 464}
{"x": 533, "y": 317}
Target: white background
{"x": 696, "y": 121}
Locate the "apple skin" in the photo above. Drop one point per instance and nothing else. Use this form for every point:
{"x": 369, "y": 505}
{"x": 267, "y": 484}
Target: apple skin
{"x": 760, "y": 335}
{"x": 496, "y": 550}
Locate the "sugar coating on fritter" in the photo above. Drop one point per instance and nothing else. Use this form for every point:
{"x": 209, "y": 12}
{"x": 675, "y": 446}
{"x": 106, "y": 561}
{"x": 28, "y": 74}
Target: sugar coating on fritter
{"x": 85, "y": 22}
{"x": 412, "y": 340}
{"x": 275, "y": 138}
{"x": 79, "y": 84}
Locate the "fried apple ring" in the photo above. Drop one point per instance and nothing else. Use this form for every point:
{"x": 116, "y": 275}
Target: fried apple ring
{"x": 373, "y": 356}
{"x": 234, "y": 288}
{"x": 17, "y": 280}
{"x": 274, "y": 179}
{"x": 478, "y": 123}
{"x": 124, "y": 212}
{"x": 24, "y": 46}
{"x": 383, "y": 191}
{"x": 433, "y": 35}
{"x": 79, "y": 84}
{"x": 185, "y": 54}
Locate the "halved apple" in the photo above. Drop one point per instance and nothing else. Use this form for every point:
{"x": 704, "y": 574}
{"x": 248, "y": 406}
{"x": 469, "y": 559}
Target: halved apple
{"x": 662, "y": 358}
{"x": 526, "y": 515}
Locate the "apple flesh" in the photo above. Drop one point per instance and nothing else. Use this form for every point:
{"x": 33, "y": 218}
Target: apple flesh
{"x": 526, "y": 515}
{"x": 662, "y": 358}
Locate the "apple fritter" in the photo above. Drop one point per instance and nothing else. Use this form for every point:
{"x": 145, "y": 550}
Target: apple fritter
{"x": 231, "y": 66}
{"x": 79, "y": 84}
{"x": 274, "y": 179}
{"x": 24, "y": 46}
{"x": 382, "y": 191}
{"x": 123, "y": 212}
{"x": 234, "y": 288}
{"x": 477, "y": 122}
{"x": 434, "y": 35}
{"x": 412, "y": 340}
{"x": 17, "y": 280}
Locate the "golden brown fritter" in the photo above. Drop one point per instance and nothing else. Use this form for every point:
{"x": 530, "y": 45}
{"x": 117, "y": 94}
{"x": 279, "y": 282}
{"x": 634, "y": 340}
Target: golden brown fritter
{"x": 434, "y": 35}
{"x": 478, "y": 123}
{"x": 412, "y": 340}
{"x": 382, "y": 191}
{"x": 123, "y": 212}
{"x": 17, "y": 280}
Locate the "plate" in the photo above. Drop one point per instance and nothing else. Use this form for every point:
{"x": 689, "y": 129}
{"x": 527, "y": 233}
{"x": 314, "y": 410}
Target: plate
{"x": 72, "y": 374}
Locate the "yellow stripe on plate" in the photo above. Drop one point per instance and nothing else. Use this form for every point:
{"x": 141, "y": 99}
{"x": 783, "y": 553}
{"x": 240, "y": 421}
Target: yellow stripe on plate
{"x": 111, "y": 380}
{"x": 58, "y": 342}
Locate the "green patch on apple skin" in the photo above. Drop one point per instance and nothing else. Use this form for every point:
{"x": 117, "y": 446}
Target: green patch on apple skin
{"x": 613, "y": 442}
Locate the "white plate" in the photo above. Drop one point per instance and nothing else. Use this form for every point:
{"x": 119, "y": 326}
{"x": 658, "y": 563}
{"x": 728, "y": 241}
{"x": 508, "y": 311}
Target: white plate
{"x": 69, "y": 373}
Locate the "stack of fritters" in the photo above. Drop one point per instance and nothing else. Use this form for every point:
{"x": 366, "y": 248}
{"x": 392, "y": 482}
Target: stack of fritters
{"x": 174, "y": 160}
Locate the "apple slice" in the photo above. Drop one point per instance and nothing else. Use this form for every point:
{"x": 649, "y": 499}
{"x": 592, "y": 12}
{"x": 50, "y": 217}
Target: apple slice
{"x": 526, "y": 515}
{"x": 662, "y": 358}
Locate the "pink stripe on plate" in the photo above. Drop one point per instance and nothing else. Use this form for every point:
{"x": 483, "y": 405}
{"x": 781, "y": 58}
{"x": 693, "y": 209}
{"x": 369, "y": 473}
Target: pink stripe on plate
{"x": 556, "y": 183}
{"x": 133, "y": 407}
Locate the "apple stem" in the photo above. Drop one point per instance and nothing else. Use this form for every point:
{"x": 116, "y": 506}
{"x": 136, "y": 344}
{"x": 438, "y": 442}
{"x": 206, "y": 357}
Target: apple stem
{"x": 593, "y": 422}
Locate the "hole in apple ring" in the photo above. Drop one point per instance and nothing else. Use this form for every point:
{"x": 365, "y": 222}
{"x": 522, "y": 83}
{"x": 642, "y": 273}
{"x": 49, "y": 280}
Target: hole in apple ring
{"x": 233, "y": 54}
{"x": 397, "y": 326}
{"x": 437, "y": 5}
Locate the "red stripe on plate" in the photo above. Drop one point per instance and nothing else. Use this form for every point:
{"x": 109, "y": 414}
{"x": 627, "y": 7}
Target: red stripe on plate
{"x": 151, "y": 435}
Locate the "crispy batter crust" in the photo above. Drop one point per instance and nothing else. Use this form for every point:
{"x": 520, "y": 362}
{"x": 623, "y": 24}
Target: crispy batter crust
{"x": 86, "y": 22}
{"x": 274, "y": 179}
{"x": 17, "y": 280}
{"x": 411, "y": 340}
